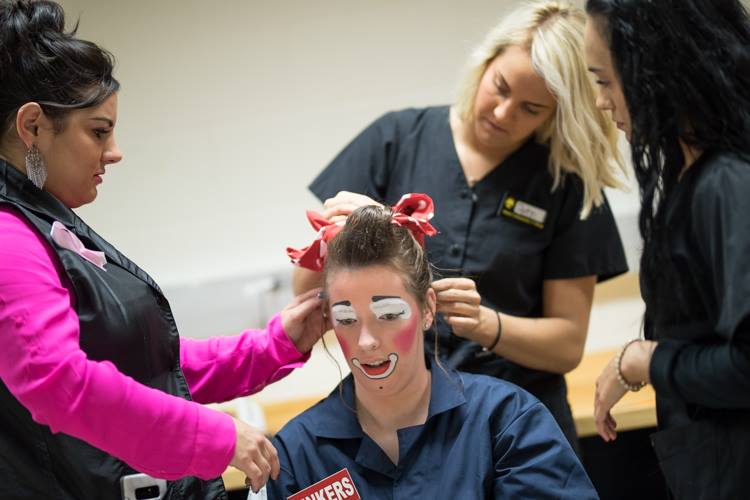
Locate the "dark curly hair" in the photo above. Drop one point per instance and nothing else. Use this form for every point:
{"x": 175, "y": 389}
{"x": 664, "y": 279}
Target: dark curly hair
{"x": 40, "y": 62}
{"x": 684, "y": 66}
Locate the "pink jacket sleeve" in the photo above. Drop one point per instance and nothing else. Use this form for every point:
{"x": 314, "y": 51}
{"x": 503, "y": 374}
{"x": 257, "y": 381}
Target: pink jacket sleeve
{"x": 223, "y": 368}
{"x": 43, "y": 366}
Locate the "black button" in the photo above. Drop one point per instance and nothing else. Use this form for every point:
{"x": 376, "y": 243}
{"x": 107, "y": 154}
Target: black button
{"x": 455, "y": 250}
{"x": 464, "y": 193}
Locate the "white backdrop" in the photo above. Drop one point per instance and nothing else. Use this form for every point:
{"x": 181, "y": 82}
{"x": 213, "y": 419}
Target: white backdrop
{"x": 228, "y": 109}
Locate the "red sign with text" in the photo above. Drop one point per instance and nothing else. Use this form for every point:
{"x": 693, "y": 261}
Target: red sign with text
{"x": 338, "y": 486}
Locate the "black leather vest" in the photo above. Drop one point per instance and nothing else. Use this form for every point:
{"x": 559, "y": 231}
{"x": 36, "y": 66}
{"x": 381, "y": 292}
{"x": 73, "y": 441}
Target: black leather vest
{"x": 125, "y": 319}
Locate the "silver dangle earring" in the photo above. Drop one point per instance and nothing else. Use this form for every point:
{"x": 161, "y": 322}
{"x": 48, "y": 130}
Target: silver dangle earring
{"x": 36, "y": 171}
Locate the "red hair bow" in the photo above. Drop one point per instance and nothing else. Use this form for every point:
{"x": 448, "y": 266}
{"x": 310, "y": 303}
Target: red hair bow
{"x": 413, "y": 211}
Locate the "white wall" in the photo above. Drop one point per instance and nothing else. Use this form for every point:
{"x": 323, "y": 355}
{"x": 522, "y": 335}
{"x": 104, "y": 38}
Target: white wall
{"x": 228, "y": 109}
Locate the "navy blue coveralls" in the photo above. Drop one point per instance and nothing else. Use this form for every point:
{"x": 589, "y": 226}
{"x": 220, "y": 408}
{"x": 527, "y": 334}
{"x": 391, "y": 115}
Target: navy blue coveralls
{"x": 483, "y": 438}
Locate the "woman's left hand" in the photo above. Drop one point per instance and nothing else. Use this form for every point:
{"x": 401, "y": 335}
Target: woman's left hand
{"x": 609, "y": 391}
{"x": 303, "y": 320}
{"x": 460, "y": 303}
{"x": 635, "y": 364}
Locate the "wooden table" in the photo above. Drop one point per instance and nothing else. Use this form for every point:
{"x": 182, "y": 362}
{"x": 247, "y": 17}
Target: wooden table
{"x": 636, "y": 410}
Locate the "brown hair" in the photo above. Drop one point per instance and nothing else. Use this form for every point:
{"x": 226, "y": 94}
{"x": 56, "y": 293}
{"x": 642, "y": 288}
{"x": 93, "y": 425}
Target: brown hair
{"x": 371, "y": 238}
{"x": 40, "y": 62}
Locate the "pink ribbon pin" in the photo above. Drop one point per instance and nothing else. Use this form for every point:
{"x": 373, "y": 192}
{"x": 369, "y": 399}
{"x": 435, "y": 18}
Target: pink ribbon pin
{"x": 66, "y": 239}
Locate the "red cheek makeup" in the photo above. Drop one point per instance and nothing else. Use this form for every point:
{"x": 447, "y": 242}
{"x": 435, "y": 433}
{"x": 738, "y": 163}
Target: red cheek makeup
{"x": 405, "y": 337}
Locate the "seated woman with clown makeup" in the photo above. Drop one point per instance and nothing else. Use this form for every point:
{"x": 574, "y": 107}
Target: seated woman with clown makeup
{"x": 401, "y": 425}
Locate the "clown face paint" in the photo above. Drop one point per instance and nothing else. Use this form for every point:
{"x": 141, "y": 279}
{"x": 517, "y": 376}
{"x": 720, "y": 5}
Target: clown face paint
{"x": 378, "y": 370}
{"x": 377, "y": 323}
{"x": 405, "y": 337}
{"x": 342, "y": 313}
{"x": 390, "y": 308}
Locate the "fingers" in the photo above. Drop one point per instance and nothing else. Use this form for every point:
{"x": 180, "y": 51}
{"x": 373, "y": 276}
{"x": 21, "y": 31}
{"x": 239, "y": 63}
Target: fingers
{"x": 305, "y": 304}
{"x": 454, "y": 294}
{"x": 601, "y": 430}
{"x": 605, "y": 424}
{"x": 259, "y": 462}
{"x": 272, "y": 458}
{"x": 303, "y": 319}
{"x": 340, "y": 211}
{"x": 255, "y": 477}
{"x": 611, "y": 425}
{"x": 344, "y": 203}
{"x": 254, "y": 455}
{"x": 265, "y": 464}
{"x": 460, "y": 298}
{"x": 461, "y": 325}
{"x": 606, "y": 427}
{"x": 340, "y": 197}
{"x": 351, "y": 198}
{"x": 458, "y": 309}
{"x": 458, "y": 283}
{"x": 599, "y": 418}
{"x": 303, "y": 297}
{"x": 457, "y": 296}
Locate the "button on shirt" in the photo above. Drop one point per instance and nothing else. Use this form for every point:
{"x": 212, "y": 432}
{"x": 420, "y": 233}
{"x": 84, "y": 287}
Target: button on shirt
{"x": 483, "y": 438}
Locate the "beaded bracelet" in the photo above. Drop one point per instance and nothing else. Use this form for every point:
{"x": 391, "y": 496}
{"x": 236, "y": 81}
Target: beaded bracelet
{"x": 497, "y": 335}
{"x": 618, "y": 362}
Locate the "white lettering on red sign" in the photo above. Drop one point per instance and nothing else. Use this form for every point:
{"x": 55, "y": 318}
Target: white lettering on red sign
{"x": 338, "y": 486}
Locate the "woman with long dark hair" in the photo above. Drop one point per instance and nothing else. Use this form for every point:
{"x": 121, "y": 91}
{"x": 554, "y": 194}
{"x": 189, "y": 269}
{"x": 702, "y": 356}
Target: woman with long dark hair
{"x": 675, "y": 74}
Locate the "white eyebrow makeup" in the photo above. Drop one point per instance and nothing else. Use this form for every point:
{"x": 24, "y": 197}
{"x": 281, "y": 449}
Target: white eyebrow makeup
{"x": 384, "y": 305}
{"x": 343, "y": 313}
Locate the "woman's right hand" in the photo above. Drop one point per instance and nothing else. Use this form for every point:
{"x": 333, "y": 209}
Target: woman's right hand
{"x": 254, "y": 455}
{"x": 304, "y": 319}
{"x": 345, "y": 203}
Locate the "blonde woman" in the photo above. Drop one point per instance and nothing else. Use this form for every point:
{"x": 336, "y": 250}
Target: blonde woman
{"x": 517, "y": 165}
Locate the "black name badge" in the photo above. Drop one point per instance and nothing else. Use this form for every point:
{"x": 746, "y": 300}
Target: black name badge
{"x": 522, "y": 211}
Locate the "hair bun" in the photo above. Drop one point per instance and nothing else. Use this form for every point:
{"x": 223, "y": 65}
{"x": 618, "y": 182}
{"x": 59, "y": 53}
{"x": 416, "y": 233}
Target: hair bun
{"x": 27, "y": 28}
{"x": 28, "y": 19}
{"x": 39, "y": 62}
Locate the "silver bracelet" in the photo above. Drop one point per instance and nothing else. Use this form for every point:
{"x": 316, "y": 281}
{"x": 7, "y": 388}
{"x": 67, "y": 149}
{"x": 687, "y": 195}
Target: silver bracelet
{"x": 618, "y": 363}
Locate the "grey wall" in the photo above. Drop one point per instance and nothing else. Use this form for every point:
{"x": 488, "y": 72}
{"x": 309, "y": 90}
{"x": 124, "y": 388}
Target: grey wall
{"x": 229, "y": 108}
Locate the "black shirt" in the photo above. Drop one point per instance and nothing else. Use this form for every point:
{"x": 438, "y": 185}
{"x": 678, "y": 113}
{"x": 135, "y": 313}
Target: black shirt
{"x": 703, "y": 357}
{"x": 701, "y": 366}
{"x": 509, "y": 259}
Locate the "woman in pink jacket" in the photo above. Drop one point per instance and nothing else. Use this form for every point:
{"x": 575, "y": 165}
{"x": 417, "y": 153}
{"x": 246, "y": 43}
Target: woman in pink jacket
{"x": 96, "y": 384}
